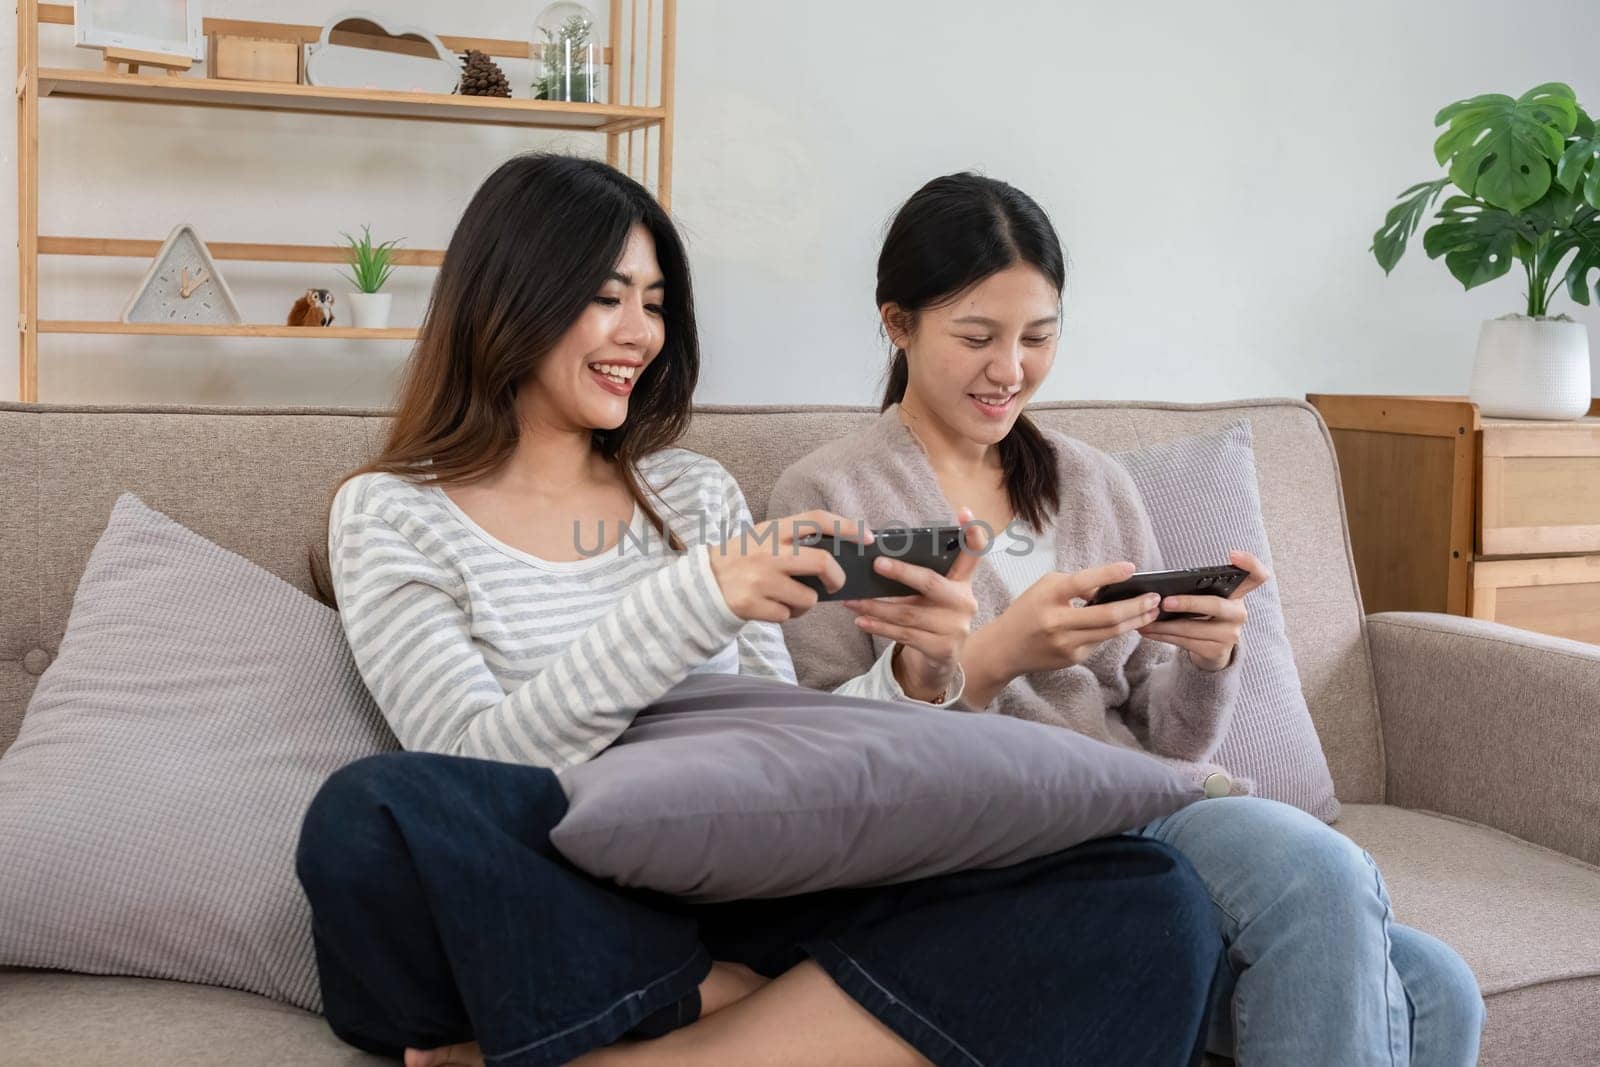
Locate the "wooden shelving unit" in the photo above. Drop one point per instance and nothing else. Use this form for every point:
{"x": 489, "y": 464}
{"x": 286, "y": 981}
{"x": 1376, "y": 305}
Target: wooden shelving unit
{"x": 619, "y": 123}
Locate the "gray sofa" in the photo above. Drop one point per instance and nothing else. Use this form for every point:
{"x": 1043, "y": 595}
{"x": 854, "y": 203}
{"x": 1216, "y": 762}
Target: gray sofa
{"x": 1465, "y": 753}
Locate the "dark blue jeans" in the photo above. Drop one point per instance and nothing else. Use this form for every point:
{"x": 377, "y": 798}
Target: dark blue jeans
{"x": 442, "y": 914}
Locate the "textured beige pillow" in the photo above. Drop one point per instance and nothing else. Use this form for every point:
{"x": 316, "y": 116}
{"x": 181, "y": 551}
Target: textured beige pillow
{"x": 151, "y": 804}
{"x": 1203, "y": 500}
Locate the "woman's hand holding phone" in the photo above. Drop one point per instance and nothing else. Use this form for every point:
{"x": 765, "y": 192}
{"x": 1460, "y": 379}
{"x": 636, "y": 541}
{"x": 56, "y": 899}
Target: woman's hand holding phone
{"x": 757, "y": 570}
{"x": 1044, "y": 629}
{"x": 931, "y": 628}
{"x": 1210, "y": 641}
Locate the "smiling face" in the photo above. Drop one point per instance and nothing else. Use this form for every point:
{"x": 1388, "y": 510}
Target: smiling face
{"x": 585, "y": 381}
{"x": 974, "y": 362}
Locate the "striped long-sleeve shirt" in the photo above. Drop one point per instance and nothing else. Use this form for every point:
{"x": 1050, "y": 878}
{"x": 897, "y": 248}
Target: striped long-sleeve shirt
{"x": 473, "y": 647}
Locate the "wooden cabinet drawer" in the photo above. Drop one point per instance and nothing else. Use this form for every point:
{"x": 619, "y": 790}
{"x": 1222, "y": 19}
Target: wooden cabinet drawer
{"x": 1553, "y": 596}
{"x": 1540, "y": 488}
{"x": 1441, "y": 502}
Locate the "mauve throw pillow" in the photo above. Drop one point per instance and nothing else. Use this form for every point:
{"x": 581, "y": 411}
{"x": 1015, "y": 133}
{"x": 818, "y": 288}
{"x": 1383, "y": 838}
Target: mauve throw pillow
{"x": 150, "y": 806}
{"x": 732, "y": 787}
{"x": 1203, "y": 500}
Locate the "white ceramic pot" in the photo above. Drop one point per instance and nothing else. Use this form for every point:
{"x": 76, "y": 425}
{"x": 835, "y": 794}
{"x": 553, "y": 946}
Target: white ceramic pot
{"x": 370, "y": 311}
{"x": 1532, "y": 369}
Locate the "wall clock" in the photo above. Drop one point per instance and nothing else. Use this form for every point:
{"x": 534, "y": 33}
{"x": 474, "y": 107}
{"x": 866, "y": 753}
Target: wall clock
{"x": 183, "y": 286}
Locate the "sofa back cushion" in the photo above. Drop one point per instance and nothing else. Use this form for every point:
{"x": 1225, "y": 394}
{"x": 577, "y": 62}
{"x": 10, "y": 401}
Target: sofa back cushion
{"x": 257, "y": 481}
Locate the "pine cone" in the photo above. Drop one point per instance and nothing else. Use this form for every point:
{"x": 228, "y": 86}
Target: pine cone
{"x": 482, "y": 76}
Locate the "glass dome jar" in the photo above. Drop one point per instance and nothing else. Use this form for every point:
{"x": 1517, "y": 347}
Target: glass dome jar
{"x": 566, "y": 57}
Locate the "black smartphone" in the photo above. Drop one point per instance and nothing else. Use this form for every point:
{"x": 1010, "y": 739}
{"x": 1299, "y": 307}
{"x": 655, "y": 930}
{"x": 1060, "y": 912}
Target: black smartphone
{"x": 1193, "y": 581}
{"x": 934, "y": 547}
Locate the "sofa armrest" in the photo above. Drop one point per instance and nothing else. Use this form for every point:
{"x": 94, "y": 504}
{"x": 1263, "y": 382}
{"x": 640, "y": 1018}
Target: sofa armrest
{"x": 1493, "y": 724}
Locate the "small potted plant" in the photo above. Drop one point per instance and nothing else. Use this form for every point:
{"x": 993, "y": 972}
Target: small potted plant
{"x": 370, "y": 267}
{"x": 1528, "y": 175}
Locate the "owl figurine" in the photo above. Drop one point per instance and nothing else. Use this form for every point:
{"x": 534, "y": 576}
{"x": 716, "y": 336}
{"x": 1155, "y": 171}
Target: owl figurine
{"x": 313, "y": 309}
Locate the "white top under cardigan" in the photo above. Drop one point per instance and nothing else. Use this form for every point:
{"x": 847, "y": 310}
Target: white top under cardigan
{"x": 1023, "y": 557}
{"x": 472, "y": 647}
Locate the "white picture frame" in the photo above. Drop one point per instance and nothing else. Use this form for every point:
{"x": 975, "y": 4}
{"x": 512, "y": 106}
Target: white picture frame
{"x": 166, "y": 27}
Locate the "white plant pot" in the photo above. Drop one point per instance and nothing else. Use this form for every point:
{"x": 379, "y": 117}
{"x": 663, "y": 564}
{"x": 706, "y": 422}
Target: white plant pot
{"x": 370, "y": 311}
{"x": 1532, "y": 369}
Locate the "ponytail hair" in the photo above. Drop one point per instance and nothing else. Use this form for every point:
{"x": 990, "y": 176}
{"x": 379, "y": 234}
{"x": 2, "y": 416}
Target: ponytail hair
{"x": 952, "y": 234}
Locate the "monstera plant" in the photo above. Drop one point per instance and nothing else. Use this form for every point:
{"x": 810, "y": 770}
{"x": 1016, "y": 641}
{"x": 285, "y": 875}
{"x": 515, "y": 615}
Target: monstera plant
{"x": 1526, "y": 173}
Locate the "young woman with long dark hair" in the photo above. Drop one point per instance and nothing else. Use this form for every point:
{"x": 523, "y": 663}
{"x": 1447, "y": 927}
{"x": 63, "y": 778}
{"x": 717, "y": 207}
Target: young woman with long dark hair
{"x": 488, "y": 571}
{"x": 970, "y": 284}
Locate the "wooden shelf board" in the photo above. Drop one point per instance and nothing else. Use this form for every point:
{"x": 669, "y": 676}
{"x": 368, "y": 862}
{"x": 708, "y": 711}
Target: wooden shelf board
{"x": 258, "y": 253}
{"x": 313, "y": 99}
{"x": 322, "y": 333}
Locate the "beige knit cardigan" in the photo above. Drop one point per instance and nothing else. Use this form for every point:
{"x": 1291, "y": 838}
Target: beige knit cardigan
{"x": 1133, "y": 692}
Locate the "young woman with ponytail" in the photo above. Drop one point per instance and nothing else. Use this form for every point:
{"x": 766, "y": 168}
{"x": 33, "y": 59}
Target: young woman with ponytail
{"x": 1314, "y": 970}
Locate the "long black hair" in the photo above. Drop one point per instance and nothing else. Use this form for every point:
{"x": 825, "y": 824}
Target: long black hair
{"x": 952, "y": 234}
{"x": 534, "y": 246}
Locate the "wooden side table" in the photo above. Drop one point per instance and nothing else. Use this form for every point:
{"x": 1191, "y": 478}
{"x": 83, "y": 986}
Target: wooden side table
{"x": 1455, "y": 512}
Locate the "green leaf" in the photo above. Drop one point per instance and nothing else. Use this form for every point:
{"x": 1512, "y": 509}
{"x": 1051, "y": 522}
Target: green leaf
{"x": 1579, "y": 169}
{"x": 1389, "y": 243}
{"x": 1584, "y": 236}
{"x": 1478, "y": 241}
{"x": 1503, "y": 150}
{"x": 1585, "y": 125}
{"x": 1553, "y": 210}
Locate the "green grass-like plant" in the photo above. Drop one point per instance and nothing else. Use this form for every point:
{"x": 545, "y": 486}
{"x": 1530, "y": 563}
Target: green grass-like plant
{"x": 370, "y": 264}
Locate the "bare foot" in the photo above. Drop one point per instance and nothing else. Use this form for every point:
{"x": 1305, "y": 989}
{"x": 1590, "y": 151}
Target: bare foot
{"x": 728, "y": 983}
{"x": 467, "y": 1055}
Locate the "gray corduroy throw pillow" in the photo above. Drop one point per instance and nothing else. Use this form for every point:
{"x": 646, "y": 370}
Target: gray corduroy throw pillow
{"x": 1203, "y": 500}
{"x": 732, "y": 787}
{"x": 150, "y": 806}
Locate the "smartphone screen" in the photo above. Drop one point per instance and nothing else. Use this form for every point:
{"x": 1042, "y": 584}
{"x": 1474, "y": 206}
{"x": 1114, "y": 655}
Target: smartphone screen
{"x": 934, "y": 547}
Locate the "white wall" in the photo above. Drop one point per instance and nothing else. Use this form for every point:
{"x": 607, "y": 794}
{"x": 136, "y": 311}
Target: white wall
{"x": 1216, "y": 171}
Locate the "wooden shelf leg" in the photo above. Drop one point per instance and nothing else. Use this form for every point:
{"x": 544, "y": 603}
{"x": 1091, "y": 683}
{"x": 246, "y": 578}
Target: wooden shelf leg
{"x": 614, "y": 76}
{"x": 669, "y": 58}
{"x": 28, "y": 201}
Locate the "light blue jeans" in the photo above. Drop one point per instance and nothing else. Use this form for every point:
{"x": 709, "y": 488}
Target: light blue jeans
{"x": 1315, "y": 970}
